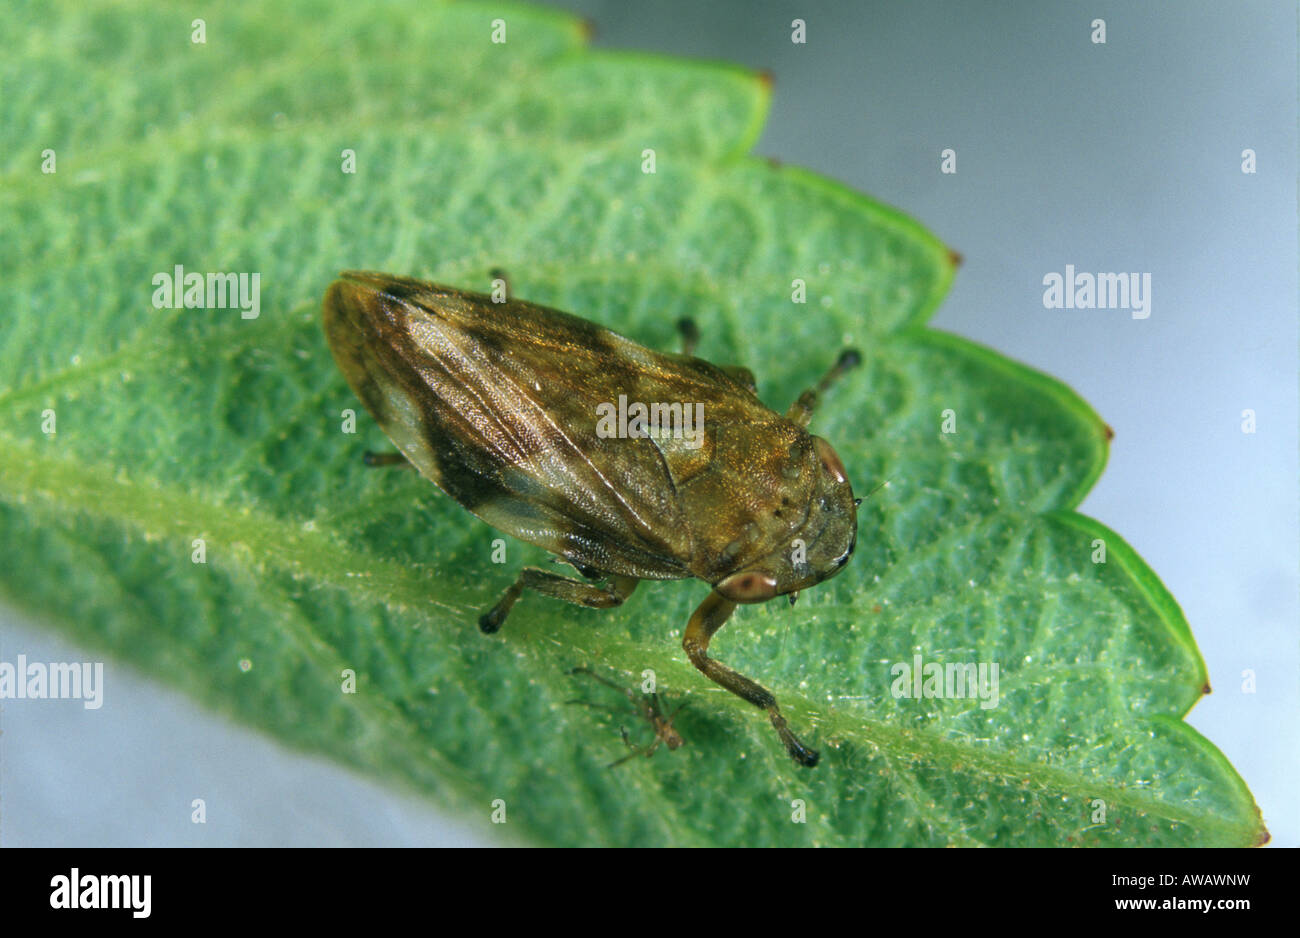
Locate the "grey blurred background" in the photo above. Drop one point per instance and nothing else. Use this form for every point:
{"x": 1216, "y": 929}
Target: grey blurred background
{"x": 1117, "y": 157}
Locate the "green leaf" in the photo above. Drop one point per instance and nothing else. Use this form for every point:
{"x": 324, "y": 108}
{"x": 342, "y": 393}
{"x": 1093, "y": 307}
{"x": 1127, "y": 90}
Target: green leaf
{"x": 174, "y": 425}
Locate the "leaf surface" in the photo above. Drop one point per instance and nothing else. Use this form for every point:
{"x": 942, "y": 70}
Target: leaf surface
{"x": 177, "y": 424}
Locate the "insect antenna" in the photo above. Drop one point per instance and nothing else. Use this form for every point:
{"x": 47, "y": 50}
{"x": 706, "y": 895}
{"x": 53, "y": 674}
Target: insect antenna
{"x": 858, "y": 501}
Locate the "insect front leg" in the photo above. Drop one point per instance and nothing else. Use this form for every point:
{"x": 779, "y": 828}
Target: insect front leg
{"x": 801, "y": 411}
{"x": 552, "y": 584}
{"x": 711, "y": 615}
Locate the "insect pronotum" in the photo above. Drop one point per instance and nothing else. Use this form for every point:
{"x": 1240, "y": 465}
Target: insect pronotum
{"x": 500, "y": 404}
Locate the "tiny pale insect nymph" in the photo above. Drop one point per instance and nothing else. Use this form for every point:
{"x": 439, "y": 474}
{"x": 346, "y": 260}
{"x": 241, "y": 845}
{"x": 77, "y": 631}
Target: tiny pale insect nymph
{"x": 499, "y": 404}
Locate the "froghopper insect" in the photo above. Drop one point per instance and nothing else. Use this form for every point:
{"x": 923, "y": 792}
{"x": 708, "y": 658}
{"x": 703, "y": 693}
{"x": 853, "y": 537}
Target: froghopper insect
{"x": 500, "y": 403}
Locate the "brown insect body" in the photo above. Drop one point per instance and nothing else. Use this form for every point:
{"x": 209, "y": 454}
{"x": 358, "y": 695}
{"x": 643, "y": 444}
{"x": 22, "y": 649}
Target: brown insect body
{"x": 497, "y": 404}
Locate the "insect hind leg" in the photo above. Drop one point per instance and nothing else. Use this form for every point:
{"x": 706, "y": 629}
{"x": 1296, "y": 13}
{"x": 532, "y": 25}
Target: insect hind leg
{"x": 592, "y": 595}
{"x": 711, "y": 615}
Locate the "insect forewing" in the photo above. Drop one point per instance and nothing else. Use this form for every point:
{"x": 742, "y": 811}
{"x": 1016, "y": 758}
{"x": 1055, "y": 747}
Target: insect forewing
{"x": 496, "y": 403}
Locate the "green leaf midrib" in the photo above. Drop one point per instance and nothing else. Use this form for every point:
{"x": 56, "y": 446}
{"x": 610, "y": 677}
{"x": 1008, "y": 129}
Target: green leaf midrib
{"x": 157, "y": 511}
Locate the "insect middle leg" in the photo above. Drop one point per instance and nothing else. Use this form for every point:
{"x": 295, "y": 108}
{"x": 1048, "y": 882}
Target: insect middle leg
{"x": 691, "y": 337}
{"x": 560, "y": 587}
{"x": 711, "y": 615}
{"x": 386, "y": 459}
{"x": 801, "y": 411}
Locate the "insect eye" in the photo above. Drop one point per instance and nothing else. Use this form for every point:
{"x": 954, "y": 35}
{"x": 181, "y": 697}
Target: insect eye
{"x": 830, "y": 459}
{"x": 748, "y": 587}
